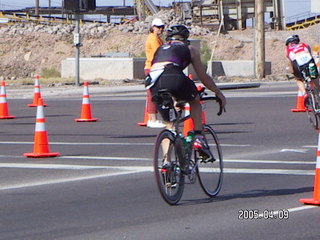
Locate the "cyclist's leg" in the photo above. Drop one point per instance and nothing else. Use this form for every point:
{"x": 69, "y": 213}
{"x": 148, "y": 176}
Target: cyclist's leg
{"x": 299, "y": 81}
{"x": 196, "y": 113}
{"x": 300, "y": 84}
{"x": 316, "y": 84}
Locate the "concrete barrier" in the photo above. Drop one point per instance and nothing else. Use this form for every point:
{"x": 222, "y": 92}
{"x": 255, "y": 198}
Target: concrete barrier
{"x": 111, "y": 66}
{"x": 105, "y": 68}
{"x": 241, "y": 68}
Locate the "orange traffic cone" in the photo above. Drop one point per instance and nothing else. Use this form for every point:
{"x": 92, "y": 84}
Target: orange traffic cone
{"x": 300, "y": 103}
{"x": 86, "y": 107}
{"x": 37, "y": 93}
{"x": 145, "y": 117}
{"x": 187, "y": 124}
{"x": 316, "y": 191}
{"x": 41, "y": 147}
{"x": 203, "y": 114}
{"x": 4, "y": 112}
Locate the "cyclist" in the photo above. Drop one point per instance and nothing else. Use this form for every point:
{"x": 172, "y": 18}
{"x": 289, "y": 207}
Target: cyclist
{"x": 299, "y": 54}
{"x": 167, "y": 73}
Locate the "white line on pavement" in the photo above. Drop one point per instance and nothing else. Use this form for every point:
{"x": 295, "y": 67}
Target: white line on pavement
{"x": 112, "y": 144}
{"x": 57, "y": 181}
{"x": 120, "y": 170}
{"x": 142, "y": 168}
{"x": 296, "y": 209}
{"x": 294, "y": 150}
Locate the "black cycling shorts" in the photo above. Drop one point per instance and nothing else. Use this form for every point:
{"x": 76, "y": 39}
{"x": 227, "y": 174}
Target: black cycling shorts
{"x": 297, "y": 71}
{"x": 180, "y": 86}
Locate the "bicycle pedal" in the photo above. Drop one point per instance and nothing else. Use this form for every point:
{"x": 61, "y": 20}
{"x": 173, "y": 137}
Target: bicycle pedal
{"x": 170, "y": 185}
{"x": 210, "y": 159}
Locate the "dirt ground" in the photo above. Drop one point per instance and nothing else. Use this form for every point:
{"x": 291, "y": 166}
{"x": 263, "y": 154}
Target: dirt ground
{"x": 23, "y": 56}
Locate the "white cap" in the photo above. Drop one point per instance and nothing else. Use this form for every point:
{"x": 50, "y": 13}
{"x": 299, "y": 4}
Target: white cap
{"x": 157, "y": 22}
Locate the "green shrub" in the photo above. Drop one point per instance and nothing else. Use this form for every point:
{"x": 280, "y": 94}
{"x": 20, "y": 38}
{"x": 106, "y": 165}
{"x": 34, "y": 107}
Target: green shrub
{"x": 205, "y": 52}
{"x": 50, "y": 73}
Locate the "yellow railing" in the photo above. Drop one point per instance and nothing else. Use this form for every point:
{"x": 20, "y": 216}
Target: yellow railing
{"x": 15, "y": 17}
{"x": 301, "y": 25}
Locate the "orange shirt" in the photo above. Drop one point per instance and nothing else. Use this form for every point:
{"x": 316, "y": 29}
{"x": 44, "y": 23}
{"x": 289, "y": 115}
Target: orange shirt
{"x": 152, "y": 44}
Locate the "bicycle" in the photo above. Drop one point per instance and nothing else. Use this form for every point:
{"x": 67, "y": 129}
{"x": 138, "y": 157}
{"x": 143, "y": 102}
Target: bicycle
{"x": 184, "y": 160}
{"x": 311, "y": 102}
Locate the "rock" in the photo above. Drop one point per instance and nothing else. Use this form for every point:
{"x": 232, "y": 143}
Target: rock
{"x": 27, "y": 56}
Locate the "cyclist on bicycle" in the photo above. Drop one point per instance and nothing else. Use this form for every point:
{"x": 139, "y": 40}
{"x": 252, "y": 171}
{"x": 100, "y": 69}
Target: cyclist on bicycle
{"x": 299, "y": 54}
{"x": 167, "y": 73}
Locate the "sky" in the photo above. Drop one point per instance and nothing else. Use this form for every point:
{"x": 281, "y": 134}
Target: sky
{"x": 292, "y": 7}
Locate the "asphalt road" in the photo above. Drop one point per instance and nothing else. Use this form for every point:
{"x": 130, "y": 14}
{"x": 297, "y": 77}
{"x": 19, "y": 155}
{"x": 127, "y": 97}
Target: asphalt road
{"x": 101, "y": 187}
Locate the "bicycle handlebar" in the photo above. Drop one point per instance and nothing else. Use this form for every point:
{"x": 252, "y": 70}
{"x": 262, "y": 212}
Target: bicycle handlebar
{"x": 202, "y": 98}
{"x": 202, "y": 94}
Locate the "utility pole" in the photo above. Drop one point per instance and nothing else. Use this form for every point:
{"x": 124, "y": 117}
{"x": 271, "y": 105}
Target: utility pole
{"x": 49, "y": 8}
{"x": 259, "y": 39}
{"x": 77, "y": 43}
{"x": 37, "y": 8}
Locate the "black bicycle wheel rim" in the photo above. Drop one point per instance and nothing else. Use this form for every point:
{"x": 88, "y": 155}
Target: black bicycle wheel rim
{"x": 312, "y": 107}
{"x": 210, "y": 174}
{"x": 170, "y": 182}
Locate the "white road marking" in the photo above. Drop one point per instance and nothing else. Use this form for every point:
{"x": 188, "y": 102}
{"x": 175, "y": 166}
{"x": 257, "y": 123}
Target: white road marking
{"x": 296, "y": 209}
{"x": 270, "y": 161}
{"x": 111, "y": 144}
{"x": 150, "y": 159}
{"x": 85, "y": 143}
{"x": 58, "y": 181}
{"x": 107, "y": 158}
{"x": 147, "y": 168}
{"x": 121, "y": 171}
{"x": 294, "y": 150}
{"x": 310, "y": 146}
{"x": 269, "y": 171}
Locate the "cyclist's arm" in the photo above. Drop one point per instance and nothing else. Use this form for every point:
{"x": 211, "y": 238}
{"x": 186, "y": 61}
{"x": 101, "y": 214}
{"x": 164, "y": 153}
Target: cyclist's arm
{"x": 290, "y": 64}
{"x": 205, "y": 78}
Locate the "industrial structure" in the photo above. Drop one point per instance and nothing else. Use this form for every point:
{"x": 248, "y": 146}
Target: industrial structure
{"x": 232, "y": 14}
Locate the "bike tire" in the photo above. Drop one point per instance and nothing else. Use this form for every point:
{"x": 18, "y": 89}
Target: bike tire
{"x": 210, "y": 174}
{"x": 170, "y": 181}
{"x": 312, "y": 107}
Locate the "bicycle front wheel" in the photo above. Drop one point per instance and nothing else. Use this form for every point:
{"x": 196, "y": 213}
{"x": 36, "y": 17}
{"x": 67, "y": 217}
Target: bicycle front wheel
{"x": 313, "y": 107}
{"x": 170, "y": 180}
{"x": 210, "y": 172}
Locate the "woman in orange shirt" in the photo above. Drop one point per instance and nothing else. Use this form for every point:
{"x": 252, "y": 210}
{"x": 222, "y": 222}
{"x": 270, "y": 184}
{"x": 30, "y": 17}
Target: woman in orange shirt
{"x": 153, "y": 42}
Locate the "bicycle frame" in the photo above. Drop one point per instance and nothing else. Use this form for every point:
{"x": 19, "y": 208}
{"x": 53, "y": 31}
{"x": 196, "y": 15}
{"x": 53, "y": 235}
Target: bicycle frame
{"x": 171, "y": 146}
{"x": 312, "y": 101}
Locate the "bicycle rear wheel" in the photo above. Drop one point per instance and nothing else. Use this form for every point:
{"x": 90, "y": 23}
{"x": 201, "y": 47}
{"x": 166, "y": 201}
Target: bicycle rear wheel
{"x": 170, "y": 181}
{"x": 210, "y": 173}
{"x": 313, "y": 107}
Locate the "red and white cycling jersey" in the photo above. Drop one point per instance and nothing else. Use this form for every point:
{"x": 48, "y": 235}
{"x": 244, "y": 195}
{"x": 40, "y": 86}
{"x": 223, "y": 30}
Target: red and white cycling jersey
{"x": 299, "y": 52}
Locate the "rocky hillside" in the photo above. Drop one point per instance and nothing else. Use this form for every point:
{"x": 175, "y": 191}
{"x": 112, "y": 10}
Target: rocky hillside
{"x": 27, "y": 49}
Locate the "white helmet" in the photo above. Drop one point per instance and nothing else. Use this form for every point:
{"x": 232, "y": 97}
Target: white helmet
{"x": 157, "y": 22}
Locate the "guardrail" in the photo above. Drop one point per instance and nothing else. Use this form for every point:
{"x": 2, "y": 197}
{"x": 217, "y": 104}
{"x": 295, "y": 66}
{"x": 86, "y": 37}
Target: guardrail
{"x": 302, "y": 20}
{"x": 12, "y": 17}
